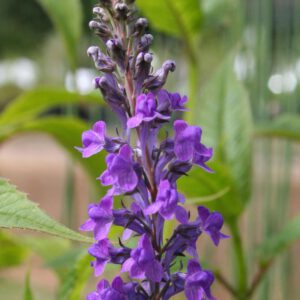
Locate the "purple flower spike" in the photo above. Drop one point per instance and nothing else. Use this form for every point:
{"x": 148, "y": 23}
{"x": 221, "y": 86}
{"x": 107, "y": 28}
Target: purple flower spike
{"x": 211, "y": 224}
{"x": 101, "y": 218}
{"x": 198, "y": 282}
{"x": 166, "y": 203}
{"x": 188, "y": 146}
{"x": 120, "y": 172}
{"x": 146, "y": 111}
{"x": 143, "y": 263}
{"x": 93, "y": 140}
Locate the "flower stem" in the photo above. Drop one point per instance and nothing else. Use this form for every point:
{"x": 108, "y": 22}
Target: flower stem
{"x": 240, "y": 261}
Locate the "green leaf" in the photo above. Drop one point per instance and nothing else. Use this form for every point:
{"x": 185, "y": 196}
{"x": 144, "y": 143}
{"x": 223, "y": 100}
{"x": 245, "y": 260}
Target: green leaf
{"x": 199, "y": 184}
{"x": 66, "y": 15}
{"x": 286, "y": 126}
{"x": 12, "y": 251}
{"x": 225, "y": 117}
{"x": 279, "y": 242}
{"x": 76, "y": 279}
{"x": 28, "y": 295}
{"x": 33, "y": 103}
{"x": 175, "y": 17}
{"x": 16, "y": 211}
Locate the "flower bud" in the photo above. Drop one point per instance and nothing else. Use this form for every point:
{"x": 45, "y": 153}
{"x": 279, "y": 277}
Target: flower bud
{"x": 145, "y": 43}
{"x": 140, "y": 25}
{"x": 121, "y": 10}
{"x": 102, "y": 30}
{"x": 102, "y": 62}
{"x": 115, "y": 47}
{"x": 105, "y": 3}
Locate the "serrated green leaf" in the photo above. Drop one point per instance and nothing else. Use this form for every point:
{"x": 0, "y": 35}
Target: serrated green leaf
{"x": 225, "y": 117}
{"x": 33, "y": 103}
{"x": 279, "y": 242}
{"x": 76, "y": 279}
{"x": 66, "y": 15}
{"x": 28, "y": 295}
{"x": 286, "y": 126}
{"x": 16, "y": 211}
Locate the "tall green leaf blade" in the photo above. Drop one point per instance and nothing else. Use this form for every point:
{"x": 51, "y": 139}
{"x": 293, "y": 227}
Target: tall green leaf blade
{"x": 174, "y": 17}
{"x": 35, "y": 102}
{"x": 279, "y": 242}
{"x": 28, "y": 295}
{"x": 76, "y": 279}
{"x": 16, "y": 211}
{"x": 66, "y": 15}
{"x": 225, "y": 117}
{"x": 286, "y": 126}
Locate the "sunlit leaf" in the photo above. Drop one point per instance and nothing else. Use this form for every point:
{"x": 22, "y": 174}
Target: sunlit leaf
{"x": 175, "y": 17}
{"x": 276, "y": 244}
{"x": 12, "y": 251}
{"x": 66, "y": 15}
{"x": 16, "y": 211}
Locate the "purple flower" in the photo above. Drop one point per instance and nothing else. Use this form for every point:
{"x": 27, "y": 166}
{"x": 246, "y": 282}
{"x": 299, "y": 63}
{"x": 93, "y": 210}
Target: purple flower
{"x": 166, "y": 203}
{"x": 188, "y": 146}
{"x": 93, "y": 140}
{"x": 178, "y": 102}
{"x": 101, "y": 218}
{"x": 143, "y": 263}
{"x": 105, "y": 253}
{"x": 198, "y": 282}
{"x": 211, "y": 224}
{"x": 145, "y": 111}
{"x": 120, "y": 172}
{"x": 117, "y": 291}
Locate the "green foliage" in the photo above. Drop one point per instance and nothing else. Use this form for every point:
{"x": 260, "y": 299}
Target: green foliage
{"x": 225, "y": 117}
{"x": 174, "y": 17}
{"x": 28, "y": 295}
{"x": 76, "y": 279}
{"x": 286, "y": 126}
{"x": 276, "y": 244}
{"x": 16, "y": 211}
{"x": 198, "y": 185}
{"x": 67, "y": 17}
{"x": 33, "y": 103}
{"x": 12, "y": 251}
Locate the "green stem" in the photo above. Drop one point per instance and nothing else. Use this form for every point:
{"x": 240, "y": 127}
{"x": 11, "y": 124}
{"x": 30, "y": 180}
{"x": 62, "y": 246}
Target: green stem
{"x": 240, "y": 261}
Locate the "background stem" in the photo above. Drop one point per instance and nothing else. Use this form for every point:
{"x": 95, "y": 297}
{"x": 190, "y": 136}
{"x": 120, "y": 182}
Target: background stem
{"x": 240, "y": 268}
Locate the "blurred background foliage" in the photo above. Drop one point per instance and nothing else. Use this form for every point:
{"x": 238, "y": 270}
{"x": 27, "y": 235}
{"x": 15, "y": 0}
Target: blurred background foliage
{"x": 239, "y": 62}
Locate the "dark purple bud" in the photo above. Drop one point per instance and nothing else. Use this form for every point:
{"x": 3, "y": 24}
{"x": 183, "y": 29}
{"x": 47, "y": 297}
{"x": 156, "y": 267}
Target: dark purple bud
{"x": 102, "y": 30}
{"x": 158, "y": 79}
{"x": 102, "y": 62}
{"x": 117, "y": 51}
{"x": 142, "y": 69}
{"x": 110, "y": 89}
{"x": 140, "y": 26}
{"x": 145, "y": 43}
{"x": 121, "y": 10}
{"x": 101, "y": 14}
